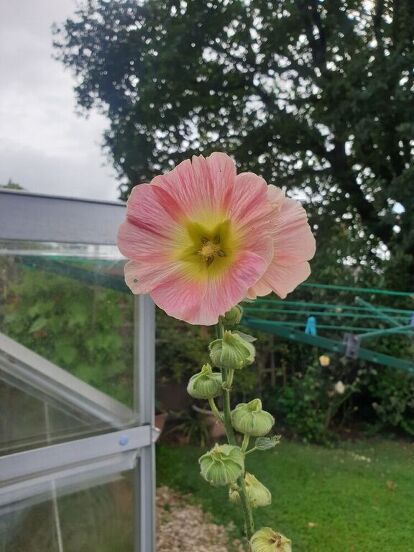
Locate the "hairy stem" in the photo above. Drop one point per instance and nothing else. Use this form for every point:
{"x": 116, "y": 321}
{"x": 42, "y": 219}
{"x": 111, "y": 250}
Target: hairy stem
{"x": 227, "y": 382}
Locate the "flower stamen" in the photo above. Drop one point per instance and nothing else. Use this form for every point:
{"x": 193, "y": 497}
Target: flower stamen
{"x": 210, "y": 249}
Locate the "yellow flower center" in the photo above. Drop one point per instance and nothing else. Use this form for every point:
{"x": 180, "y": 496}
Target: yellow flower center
{"x": 206, "y": 250}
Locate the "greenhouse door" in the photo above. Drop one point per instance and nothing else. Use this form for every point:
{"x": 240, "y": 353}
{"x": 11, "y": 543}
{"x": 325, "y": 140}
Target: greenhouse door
{"x": 76, "y": 382}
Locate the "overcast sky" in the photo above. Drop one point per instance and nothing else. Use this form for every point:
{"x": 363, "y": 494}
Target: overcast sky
{"x": 44, "y": 145}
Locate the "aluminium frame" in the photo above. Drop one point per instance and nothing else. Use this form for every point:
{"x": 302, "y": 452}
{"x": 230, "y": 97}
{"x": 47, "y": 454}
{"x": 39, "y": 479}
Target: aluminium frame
{"x": 37, "y": 217}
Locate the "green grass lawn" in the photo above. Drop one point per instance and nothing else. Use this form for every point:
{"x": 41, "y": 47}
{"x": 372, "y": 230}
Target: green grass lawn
{"x": 357, "y": 497}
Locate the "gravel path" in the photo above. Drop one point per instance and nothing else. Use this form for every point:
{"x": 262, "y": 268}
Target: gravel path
{"x": 184, "y": 527}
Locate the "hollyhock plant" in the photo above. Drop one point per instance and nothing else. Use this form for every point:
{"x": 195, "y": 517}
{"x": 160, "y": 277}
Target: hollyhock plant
{"x": 200, "y": 239}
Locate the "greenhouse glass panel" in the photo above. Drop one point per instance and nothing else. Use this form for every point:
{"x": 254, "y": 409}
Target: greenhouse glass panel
{"x": 68, "y": 305}
{"x": 27, "y": 421}
{"x": 96, "y": 514}
{"x": 76, "y": 382}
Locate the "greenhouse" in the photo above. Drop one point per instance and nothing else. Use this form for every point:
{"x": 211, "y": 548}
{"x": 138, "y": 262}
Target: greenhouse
{"x": 76, "y": 434}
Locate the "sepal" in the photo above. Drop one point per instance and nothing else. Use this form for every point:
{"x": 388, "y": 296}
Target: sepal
{"x": 257, "y": 494}
{"x": 268, "y": 540}
{"x": 250, "y": 419}
{"x": 231, "y": 352}
{"x": 206, "y": 384}
{"x": 222, "y": 465}
{"x": 233, "y": 316}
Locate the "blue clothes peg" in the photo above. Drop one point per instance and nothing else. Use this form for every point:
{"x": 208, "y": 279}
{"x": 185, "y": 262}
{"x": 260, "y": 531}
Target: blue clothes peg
{"x": 412, "y": 320}
{"x": 310, "y": 328}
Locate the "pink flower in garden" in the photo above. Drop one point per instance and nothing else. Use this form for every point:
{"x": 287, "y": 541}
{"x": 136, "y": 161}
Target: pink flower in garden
{"x": 201, "y": 238}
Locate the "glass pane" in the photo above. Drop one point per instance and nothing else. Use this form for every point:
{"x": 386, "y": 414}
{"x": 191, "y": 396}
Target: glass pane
{"x": 68, "y": 304}
{"x": 97, "y": 516}
{"x": 28, "y": 422}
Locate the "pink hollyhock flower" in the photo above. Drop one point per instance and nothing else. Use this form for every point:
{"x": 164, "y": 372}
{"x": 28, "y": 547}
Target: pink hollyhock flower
{"x": 201, "y": 238}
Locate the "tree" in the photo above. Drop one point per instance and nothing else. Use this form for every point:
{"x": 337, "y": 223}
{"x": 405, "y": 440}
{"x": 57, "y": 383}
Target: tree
{"x": 11, "y": 185}
{"x": 313, "y": 95}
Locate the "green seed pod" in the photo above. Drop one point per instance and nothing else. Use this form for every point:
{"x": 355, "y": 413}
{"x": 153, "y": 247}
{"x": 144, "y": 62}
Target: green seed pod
{"x": 233, "y": 316}
{"x": 206, "y": 384}
{"x": 232, "y": 352}
{"x": 250, "y": 419}
{"x": 257, "y": 493}
{"x": 222, "y": 465}
{"x": 267, "y": 540}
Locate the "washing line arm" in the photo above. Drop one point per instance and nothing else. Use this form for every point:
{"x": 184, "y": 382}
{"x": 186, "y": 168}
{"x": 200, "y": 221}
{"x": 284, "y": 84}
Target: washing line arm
{"x": 387, "y": 331}
{"x": 386, "y": 317}
{"x": 326, "y": 343}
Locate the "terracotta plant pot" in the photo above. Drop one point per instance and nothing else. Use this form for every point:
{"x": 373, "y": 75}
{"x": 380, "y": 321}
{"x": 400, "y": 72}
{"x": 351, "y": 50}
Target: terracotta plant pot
{"x": 216, "y": 428}
{"x": 160, "y": 420}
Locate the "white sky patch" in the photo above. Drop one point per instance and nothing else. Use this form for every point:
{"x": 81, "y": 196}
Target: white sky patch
{"x": 44, "y": 145}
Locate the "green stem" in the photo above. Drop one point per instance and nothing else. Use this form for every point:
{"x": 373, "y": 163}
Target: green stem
{"x": 230, "y": 376}
{"x": 247, "y": 511}
{"x": 227, "y": 380}
{"x": 226, "y": 397}
{"x": 245, "y": 443}
{"x": 215, "y": 410}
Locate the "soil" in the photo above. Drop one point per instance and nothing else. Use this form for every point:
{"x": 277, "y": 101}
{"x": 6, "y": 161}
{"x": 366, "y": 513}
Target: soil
{"x": 185, "y": 527}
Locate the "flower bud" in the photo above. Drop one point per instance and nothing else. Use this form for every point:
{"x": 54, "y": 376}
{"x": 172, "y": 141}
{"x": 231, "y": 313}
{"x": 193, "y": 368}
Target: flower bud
{"x": 257, "y": 493}
{"x": 206, "y": 384}
{"x": 267, "y": 540}
{"x": 250, "y": 419}
{"x": 222, "y": 465}
{"x": 233, "y": 316}
{"x": 232, "y": 352}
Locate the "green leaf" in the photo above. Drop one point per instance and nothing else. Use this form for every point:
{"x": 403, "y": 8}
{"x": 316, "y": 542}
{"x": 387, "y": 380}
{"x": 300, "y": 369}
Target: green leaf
{"x": 266, "y": 443}
{"x": 246, "y": 337}
{"x": 37, "y": 325}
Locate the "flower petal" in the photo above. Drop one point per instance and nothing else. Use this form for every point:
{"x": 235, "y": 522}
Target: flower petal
{"x": 142, "y": 277}
{"x": 251, "y": 206}
{"x": 275, "y": 196}
{"x": 139, "y": 243}
{"x": 204, "y": 184}
{"x": 293, "y": 245}
{"x": 146, "y": 211}
{"x": 203, "y": 301}
{"x": 294, "y": 241}
{"x": 280, "y": 279}
{"x": 251, "y": 211}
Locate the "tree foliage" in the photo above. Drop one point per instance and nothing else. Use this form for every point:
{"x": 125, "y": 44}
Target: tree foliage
{"x": 313, "y": 95}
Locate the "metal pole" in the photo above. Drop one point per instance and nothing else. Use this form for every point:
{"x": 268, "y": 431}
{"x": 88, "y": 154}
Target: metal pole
{"x": 56, "y": 515}
{"x": 144, "y": 394}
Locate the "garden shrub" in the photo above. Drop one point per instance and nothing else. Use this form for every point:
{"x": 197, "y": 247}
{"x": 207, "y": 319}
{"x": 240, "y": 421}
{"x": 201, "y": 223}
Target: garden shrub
{"x": 392, "y": 395}
{"x": 309, "y": 402}
{"x": 83, "y": 328}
